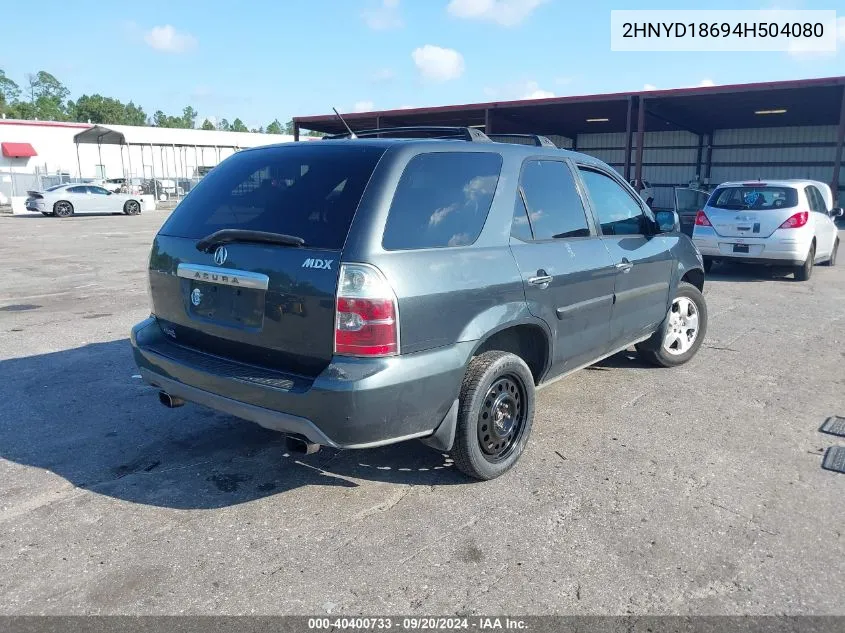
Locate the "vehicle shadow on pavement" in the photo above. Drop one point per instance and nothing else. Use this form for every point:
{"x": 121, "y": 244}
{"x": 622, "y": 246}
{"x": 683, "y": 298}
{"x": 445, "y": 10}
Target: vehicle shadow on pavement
{"x": 745, "y": 273}
{"x": 81, "y": 414}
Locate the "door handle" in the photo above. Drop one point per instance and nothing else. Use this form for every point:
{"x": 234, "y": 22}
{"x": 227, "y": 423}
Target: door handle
{"x": 541, "y": 280}
{"x": 624, "y": 266}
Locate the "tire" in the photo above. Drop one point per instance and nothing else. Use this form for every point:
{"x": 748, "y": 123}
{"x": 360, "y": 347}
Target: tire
{"x": 670, "y": 345}
{"x": 131, "y": 207}
{"x": 803, "y": 273}
{"x": 708, "y": 264}
{"x": 488, "y": 441}
{"x": 63, "y": 209}
{"x": 832, "y": 259}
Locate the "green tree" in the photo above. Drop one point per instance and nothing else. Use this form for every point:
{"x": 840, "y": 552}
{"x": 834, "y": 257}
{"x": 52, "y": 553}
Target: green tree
{"x": 315, "y": 133}
{"x": 9, "y": 91}
{"x": 134, "y": 115}
{"x": 238, "y": 126}
{"x": 97, "y": 109}
{"x": 48, "y": 96}
{"x": 208, "y": 125}
{"x": 275, "y": 127}
{"x": 189, "y": 117}
{"x": 289, "y": 127}
{"x": 224, "y": 126}
{"x": 258, "y": 130}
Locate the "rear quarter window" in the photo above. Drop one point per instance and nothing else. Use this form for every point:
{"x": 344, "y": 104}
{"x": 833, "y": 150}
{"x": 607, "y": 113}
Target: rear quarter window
{"x": 442, "y": 200}
{"x": 309, "y": 190}
{"x": 753, "y": 198}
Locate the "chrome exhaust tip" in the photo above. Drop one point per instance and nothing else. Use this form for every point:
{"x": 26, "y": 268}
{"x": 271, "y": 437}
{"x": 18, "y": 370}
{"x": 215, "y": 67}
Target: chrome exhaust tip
{"x": 171, "y": 402}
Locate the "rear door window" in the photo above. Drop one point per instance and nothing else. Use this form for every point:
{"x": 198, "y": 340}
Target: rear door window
{"x": 753, "y": 198}
{"x": 309, "y": 190}
{"x": 555, "y": 209}
{"x": 815, "y": 199}
{"x": 442, "y": 200}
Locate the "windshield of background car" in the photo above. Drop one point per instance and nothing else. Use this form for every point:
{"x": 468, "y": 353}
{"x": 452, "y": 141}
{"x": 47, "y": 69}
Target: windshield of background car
{"x": 753, "y": 198}
{"x": 309, "y": 190}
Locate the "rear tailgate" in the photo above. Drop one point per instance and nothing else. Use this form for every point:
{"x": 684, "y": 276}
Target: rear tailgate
{"x": 750, "y": 210}
{"x": 271, "y": 305}
{"x": 266, "y": 305}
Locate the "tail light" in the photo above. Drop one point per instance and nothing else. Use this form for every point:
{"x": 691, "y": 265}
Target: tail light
{"x": 367, "y": 320}
{"x": 701, "y": 219}
{"x": 796, "y": 221}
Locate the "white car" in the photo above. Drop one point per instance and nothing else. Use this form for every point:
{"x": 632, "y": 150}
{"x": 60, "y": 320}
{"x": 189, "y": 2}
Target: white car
{"x": 774, "y": 222}
{"x": 65, "y": 200}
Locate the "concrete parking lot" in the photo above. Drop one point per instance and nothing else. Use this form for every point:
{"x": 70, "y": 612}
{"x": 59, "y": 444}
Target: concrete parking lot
{"x": 697, "y": 490}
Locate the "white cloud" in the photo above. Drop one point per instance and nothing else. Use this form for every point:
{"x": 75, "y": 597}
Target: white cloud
{"x": 438, "y": 64}
{"x": 706, "y": 83}
{"x": 502, "y": 12}
{"x": 649, "y": 87}
{"x": 406, "y": 107}
{"x": 168, "y": 40}
{"x": 383, "y": 75}
{"x": 364, "y": 106}
{"x": 519, "y": 90}
{"x": 533, "y": 91}
{"x": 384, "y": 17}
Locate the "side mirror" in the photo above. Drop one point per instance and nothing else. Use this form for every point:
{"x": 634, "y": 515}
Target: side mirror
{"x": 667, "y": 221}
{"x": 837, "y": 213}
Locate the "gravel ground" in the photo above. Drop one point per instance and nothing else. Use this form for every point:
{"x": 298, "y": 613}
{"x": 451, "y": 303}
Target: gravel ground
{"x": 696, "y": 490}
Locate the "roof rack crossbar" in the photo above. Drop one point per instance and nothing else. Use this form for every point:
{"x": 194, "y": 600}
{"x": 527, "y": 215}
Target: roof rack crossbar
{"x": 539, "y": 141}
{"x": 445, "y": 132}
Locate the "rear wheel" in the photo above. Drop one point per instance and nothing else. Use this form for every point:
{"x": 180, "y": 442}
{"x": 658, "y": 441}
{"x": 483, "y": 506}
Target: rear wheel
{"x": 682, "y": 332}
{"x": 832, "y": 259}
{"x": 495, "y": 415}
{"x": 63, "y": 209}
{"x": 132, "y": 207}
{"x": 803, "y": 273}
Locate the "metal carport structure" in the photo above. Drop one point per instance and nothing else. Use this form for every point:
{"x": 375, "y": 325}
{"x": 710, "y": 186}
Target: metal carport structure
{"x": 616, "y": 127}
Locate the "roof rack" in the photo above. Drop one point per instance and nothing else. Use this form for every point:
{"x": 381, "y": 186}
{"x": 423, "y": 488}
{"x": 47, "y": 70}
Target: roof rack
{"x": 443, "y": 132}
{"x": 539, "y": 141}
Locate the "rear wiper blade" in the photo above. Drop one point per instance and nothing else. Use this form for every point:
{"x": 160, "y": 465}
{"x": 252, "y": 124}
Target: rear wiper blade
{"x": 228, "y": 236}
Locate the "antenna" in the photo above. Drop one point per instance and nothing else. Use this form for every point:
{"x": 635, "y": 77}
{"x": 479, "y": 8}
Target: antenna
{"x": 348, "y": 129}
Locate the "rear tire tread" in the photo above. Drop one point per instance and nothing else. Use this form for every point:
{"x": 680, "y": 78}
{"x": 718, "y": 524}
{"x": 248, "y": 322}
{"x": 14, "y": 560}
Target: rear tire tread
{"x": 475, "y": 380}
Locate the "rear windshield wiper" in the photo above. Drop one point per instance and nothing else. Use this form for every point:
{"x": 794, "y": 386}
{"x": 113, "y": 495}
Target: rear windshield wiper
{"x": 228, "y": 236}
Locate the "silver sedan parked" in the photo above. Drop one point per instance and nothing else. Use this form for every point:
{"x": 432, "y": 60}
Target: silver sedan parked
{"x": 66, "y": 200}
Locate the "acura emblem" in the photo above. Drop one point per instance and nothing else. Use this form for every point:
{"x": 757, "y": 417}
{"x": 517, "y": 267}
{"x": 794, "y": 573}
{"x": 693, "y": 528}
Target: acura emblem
{"x": 196, "y": 296}
{"x": 220, "y": 255}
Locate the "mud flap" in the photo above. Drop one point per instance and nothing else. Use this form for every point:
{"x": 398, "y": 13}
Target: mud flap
{"x": 444, "y": 435}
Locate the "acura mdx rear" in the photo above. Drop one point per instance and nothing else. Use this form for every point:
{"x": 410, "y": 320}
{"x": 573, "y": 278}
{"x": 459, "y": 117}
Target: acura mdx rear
{"x": 256, "y": 314}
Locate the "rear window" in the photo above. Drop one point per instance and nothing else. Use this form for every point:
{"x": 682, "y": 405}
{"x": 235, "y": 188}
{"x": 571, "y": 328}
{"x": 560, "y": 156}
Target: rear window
{"x": 442, "y": 200}
{"x": 308, "y": 190}
{"x": 753, "y": 198}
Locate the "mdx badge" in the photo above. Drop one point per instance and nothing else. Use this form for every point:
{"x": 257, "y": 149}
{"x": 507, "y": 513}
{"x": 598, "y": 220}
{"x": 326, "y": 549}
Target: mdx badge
{"x": 220, "y": 255}
{"x": 324, "y": 264}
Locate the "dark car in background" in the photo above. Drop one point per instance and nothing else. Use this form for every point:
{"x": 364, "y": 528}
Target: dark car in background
{"x": 358, "y": 292}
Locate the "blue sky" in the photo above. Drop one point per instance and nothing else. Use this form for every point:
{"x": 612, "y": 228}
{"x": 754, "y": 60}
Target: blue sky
{"x": 260, "y": 60}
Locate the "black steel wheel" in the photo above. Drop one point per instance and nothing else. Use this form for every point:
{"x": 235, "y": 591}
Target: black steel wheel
{"x": 501, "y": 420}
{"x": 495, "y": 414}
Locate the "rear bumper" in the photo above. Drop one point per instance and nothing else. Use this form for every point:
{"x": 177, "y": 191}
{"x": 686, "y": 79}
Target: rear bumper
{"x": 783, "y": 247}
{"x": 353, "y": 403}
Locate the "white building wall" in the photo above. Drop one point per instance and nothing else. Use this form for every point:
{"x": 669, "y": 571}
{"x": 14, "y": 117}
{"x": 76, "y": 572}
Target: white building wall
{"x": 57, "y": 152}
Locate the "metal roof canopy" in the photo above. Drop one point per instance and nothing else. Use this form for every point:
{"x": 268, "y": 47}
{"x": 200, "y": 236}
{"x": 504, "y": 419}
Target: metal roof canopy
{"x": 700, "y": 110}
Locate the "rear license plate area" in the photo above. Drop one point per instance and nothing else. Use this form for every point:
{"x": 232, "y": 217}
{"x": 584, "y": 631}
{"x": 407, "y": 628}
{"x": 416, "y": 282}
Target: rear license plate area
{"x": 740, "y": 248}
{"x": 226, "y": 305}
